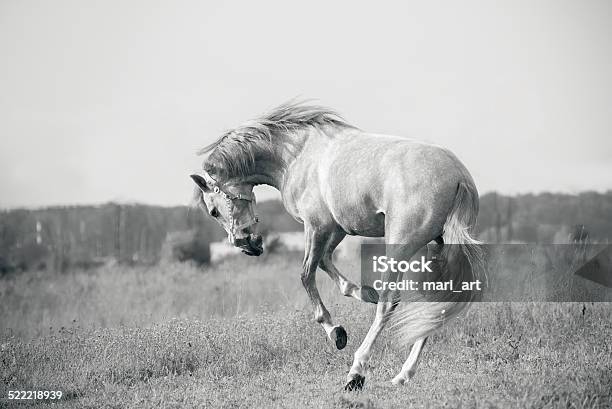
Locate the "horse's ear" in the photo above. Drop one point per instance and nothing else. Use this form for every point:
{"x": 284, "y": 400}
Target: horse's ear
{"x": 200, "y": 182}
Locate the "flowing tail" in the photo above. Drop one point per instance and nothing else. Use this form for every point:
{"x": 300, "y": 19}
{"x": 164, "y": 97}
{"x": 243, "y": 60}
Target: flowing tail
{"x": 461, "y": 261}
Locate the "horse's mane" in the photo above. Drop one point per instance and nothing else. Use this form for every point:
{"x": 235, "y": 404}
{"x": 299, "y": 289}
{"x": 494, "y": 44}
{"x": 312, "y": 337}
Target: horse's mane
{"x": 236, "y": 150}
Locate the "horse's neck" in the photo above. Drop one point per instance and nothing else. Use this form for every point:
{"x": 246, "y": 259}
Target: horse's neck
{"x": 299, "y": 154}
{"x": 274, "y": 171}
{"x": 309, "y": 150}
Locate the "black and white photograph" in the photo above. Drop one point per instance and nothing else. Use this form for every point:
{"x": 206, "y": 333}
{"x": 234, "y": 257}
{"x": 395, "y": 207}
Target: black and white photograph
{"x": 279, "y": 204}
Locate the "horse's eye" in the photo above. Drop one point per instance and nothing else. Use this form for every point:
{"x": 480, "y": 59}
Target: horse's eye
{"x": 214, "y": 212}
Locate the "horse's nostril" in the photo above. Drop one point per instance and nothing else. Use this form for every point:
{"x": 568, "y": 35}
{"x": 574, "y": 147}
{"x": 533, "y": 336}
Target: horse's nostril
{"x": 241, "y": 242}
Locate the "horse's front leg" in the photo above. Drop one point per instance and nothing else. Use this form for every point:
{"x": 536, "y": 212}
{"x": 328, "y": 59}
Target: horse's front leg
{"x": 346, "y": 286}
{"x": 315, "y": 247}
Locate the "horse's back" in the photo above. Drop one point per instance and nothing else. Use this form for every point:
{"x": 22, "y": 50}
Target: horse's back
{"x": 374, "y": 162}
{"x": 364, "y": 176}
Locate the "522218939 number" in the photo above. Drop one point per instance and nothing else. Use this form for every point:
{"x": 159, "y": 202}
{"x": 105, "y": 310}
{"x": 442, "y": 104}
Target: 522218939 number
{"x": 35, "y": 395}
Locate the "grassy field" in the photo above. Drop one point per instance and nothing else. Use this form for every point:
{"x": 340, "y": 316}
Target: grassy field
{"x": 240, "y": 334}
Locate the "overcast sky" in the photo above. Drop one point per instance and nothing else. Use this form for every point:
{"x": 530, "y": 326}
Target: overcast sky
{"x": 109, "y": 100}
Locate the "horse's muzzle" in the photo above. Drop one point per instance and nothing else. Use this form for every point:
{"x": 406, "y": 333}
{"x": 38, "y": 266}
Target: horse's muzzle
{"x": 252, "y": 245}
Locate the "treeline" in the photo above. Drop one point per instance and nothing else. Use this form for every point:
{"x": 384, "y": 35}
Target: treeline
{"x": 545, "y": 218}
{"x": 61, "y": 238}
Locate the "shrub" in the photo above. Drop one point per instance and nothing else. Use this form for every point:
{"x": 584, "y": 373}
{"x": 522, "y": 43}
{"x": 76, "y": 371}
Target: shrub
{"x": 189, "y": 245}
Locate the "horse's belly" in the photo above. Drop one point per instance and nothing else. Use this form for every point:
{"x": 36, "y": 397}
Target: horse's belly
{"x": 358, "y": 223}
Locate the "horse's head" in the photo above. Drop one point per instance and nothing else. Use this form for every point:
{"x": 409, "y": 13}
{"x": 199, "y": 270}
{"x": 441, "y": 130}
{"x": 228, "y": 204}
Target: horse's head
{"x": 232, "y": 205}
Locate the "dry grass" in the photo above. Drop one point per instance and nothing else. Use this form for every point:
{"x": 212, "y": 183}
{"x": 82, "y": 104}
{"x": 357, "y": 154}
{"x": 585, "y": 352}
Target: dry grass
{"x": 32, "y": 303}
{"x": 240, "y": 334}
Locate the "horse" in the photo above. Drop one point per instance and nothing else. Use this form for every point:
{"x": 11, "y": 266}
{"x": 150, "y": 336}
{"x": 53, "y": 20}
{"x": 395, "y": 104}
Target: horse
{"x": 338, "y": 180}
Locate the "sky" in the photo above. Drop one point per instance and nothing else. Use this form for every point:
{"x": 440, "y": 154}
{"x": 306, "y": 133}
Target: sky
{"x": 109, "y": 100}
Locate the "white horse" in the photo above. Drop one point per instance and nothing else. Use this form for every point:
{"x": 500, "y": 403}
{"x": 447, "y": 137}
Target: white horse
{"x": 339, "y": 180}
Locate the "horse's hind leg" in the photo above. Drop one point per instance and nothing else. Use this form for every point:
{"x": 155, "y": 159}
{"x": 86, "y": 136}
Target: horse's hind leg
{"x": 409, "y": 367}
{"x": 384, "y": 309}
{"x": 404, "y": 237}
{"x": 346, "y": 286}
{"x": 434, "y": 252}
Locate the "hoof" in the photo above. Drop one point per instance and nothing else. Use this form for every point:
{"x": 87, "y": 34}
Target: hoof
{"x": 338, "y": 335}
{"x": 398, "y": 380}
{"x": 368, "y": 294}
{"x": 355, "y": 384}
